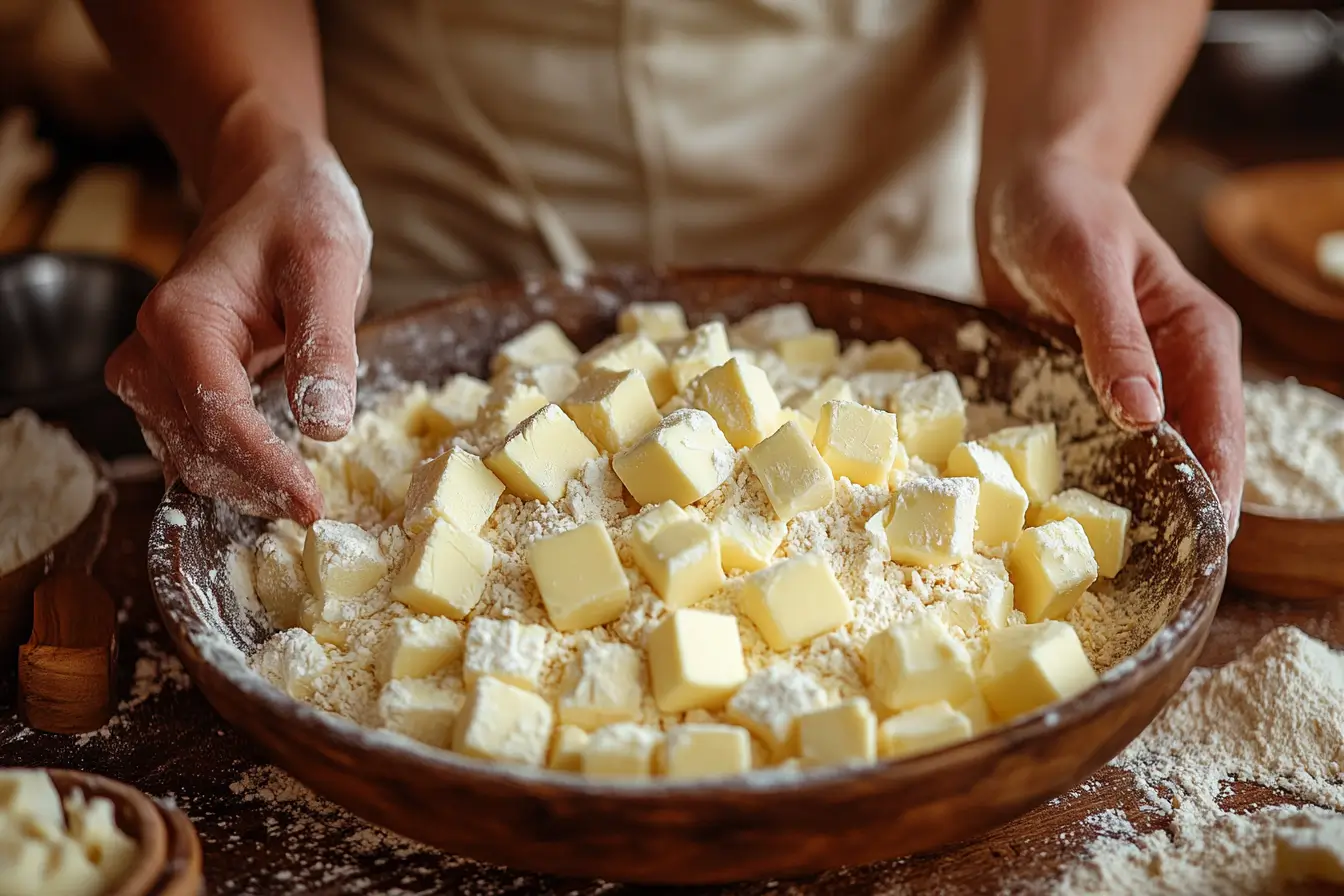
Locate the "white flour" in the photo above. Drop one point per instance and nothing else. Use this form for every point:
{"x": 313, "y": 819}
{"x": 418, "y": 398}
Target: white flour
{"x": 1294, "y": 448}
{"x": 47, "y": 489}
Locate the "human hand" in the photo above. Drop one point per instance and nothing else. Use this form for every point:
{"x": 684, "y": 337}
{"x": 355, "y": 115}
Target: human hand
{"x": 275, "y": 269}
{"x": 1156, "y": 342}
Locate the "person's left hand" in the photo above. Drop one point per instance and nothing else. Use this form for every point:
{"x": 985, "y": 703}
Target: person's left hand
{"x": 1157, "y": 343}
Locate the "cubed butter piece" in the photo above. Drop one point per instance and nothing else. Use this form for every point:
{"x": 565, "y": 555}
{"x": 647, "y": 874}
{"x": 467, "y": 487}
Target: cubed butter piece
{"x": 414, "y": 649}
{"x": 1106, "y": 525}
{"x": 581, "y": 579}
{"x": 379, "y": 463}
{"x": 281, "y": 584}
{"x": 804, "y": 422}
{"x": 456, "y": 487}
{"x": 1051, "y": 566}
{"x": 701, "y": 349}
{"x": 695, "y": 660}
{"x": 857, "y": 442}
{"x": 554, "y": 379}
{"x": 1033, "y": 453}
{"x": 769, "y": 703}
{"x": 541, "y": 343}
{"x": 657, "y": 320}
{"x": 893, "y": 354}
{"x": 453, "y": 407}
{"x": 704, "y": 750}
{"x": 843, "y": 734}
{"x": 932, "y": 416}
{"x": 421, "y": 708}
{"x": 790, "y": 469}
{"x": 293, "y": 660}
{"x": 809, "y": 401}
{"x": 681, "y": 560}
{"x": 510, "y": 402}
{"x": 795, "y": 600}
{"x": 541, "y": 455}
{"x": 740, "y": 399}
{"x": 748, "y": 542}
{"x": 768, "y": 326}
{"x": 633, "y": 352}
{"x": 977, "y": 711}
{"x": 445, "y": 572}
{"x": 341, "y": 559}
{"x": 613, "y": 408}
{"x": 811, "y": 354}
{"x": 931, "y": 522}
{"x": 604, "y": 686}
{"x": 327, "y": 618}
{"x": 1002, "y": 509}
{"x": 922, "y": 730}
{"x": 682, "y": 459}
{"x": 918, "y": 661}
{"x": 504, "y": 723}
{"x": 879, "y": 388}
{"x": 567, "y": 748}
{"x": 625, "y": 750}
{"x": 1027, "y": 667}
{"x": 506, "y": 649}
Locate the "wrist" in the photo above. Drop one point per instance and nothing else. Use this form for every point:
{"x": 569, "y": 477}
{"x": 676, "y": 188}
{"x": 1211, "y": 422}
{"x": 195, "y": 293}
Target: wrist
{"x": 252, "y": 137}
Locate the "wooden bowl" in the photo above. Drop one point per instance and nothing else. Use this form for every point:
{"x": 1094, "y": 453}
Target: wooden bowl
{"x": 1287, "y": 556}
{"x": 771, "y": 824}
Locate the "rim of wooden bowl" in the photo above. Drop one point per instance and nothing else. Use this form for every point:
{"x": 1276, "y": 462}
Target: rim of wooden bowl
{"x": 137, "y": 815}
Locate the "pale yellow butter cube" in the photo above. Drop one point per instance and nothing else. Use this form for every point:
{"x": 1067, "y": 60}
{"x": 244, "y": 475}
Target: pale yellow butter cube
{"x": 633, "y": 352}
{"x": 504, "y": 723}
{"x": 625, "y": 750}
{"x": 843, "y": 734}
{"x": 613, "y": 408}
{"x": 1106, "y": 525}
{"x": 811, "y": 354}
{"x": 506, "y": 649}
{"x": 445, "y": 572}
{"x": 857, "y": 442}
{"x": 681, "y": 560}
{"x": 695, "y": 660}
{"x": 327, "y": 618}
{"x": 790, "y": 469}
{"x": 567, "y": 749}
{"x": 456, "y": 487}
{"x": 683, "y": 459}
{"x": 453, "y": 407}
{"x": 293, "y": 660}
{"x": 795, "y": 600}
{"x": 703, "y": 348}
{"x": 657, "y": 320}
{"x": 922, "y": 730}
{"x": 917, "y": 661}
{"x": 879, "y": 388}
{"x": 541, "y": 343}
{"x": 748, "y": 542}
{"x": 554, "y": 379}
{"x": 380, "y": 463}
{"x": 931, "y": 522}
{"x": 541, "y": 455}
{"x": 1051, "y": 566}
{"x": 414, "y": 649}
{"x": 1027, "y": 667}
{"x": 740, "y": 399}
{"x": 769, "y": 703}
{"x": 770, "y": 325}
{"x": 281, "y": 584}
{"x": 978, "y": 713}
{"x": 893, "y": 354}
{"x": 804, "y": 422}
{"x": 932, "y": 416}
{"x": 510, "y": 402}
{"x": 580, "y": 577}
{"x": 706, "y": 751}
{"x": 809, "y": 401}
{"x": 1002, "y": 509}
{"x": 341, "y": 559}
{"x": 653, "y": 518}
{"x": 1033, "y": 453}
{"x": 605, "y": 686}
{"x": 422, "y": 709}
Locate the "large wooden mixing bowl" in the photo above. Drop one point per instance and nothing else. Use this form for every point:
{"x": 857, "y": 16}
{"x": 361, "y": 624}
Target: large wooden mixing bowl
{"x": 772, "y": 824}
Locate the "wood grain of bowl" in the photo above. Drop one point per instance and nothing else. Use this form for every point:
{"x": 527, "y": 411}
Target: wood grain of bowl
{"x": 770, "y": 824}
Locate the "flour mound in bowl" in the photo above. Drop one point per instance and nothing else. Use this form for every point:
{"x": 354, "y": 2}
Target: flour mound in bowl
{"x": 48, "y": 488}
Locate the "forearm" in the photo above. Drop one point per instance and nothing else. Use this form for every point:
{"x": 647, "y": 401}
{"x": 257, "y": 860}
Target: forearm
{"x": 218, "y": 77}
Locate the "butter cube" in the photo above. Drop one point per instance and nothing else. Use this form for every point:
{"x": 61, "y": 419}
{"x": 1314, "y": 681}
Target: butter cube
{"x": 341, "y": 559}
{"x": 554, "y": 379}
{"x": 857, "y": 442}
{"x": 510, "y": 402}
{"x": 1051, "y": 566}
{"x": 809, "y": 401}
{"x": 985, "y": 606}
{"x": 327, "y": 618}
{"x": 1033, "y": 453}
{"x": 613, "y": 408}
{"x": 415, "y": 649}
{"x": 1106, "y": 525}
{"x": 748, "y": 542}
{"x": 1027, "y": 667}
{"x": 916, "y": 662}
{"x": 931, "y": 522}
{"x": 740, "y": 399}
{"x": 795, "y": 600}
{"x": 932, "y": 416}
{"x": 422, "y": 709}
{"x": 681, "y": 560}
{"x": 706, "y": 751}
{"x": 768, "y": 326}
{"x": 683, "y": 459}
{"x": 293, "y": 660}
{"x": 506, "y": 649}
{"x": 654, "y": 518}
{"x": 625, "y": 750}
{"x": 581, "y": 579}
{"x": 380, "y": 463}
{"x": 504, "y": 723}
{"x": 541, "y": 455}
{"x": 879, "y": 388}
{"x": 633, "y": 352}
{"x": 793, "y": 474}
{"x": 893, "y": 354}
{"x": 456, "y": 487}
{"x": 455, "y": 406}
{"x": 804, "y": 422}
{"x": 978, "y": 713}
{"x": 922, "y": 730}
{"x": 605, "y": 686}
{"x": 838, "y": 735}
{"x": 281, "y": 584}
{"x": 657, "y": 320}
{"x": 811, "y": 354}
{"x": 1002, "y": 508}
{"x": 695, "y": 660}
{"x": 567, "y": 749}
{"x": 703, "y": 348}
{"x": 541, "y": 343}
{"x": 769, "y": 703}
{"x": 445, "y": 572}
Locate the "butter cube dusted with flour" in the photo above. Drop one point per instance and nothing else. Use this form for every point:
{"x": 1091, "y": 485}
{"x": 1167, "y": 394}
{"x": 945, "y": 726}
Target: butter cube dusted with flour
{"x": 843, "y": 734}
{"x": 541, "y": 455}
{"x": 621, "y": 751}
{"x": 456, "y": 487}
{"x": 1106, "y": 525}
{"x": 455, "y": 406}
{"x": 795, "y": 600}
{"x": 657, "y": 320}
{"x": 768, "y": 326}
{"x": 580, "y": 577}
{"x": 681, "y": 559}
{"x": 706, "y": 751}
{"x": 1033, "y": 453}
{"x": 506, "y": 649}
{"x": 605, "y": 685}
{"x": 1002, "y": 508}
{"x": 293, "y": 660}
{"x": 445, "y": 572}
{"x": 682, "y": 459}
{"x": 747, "y": 541}
{"x": 613, "y": 408}
{"x": 542, "y": 343}
{"x": 811, "y": 354}
{"x": 504, "y": 723}
{"x": 567, "y": 749}
{"x": 916, "y": 662}
{"x": 809, "y": 401}
{"x": 922, "y": 730}
{"x": 414, "y": 649}
{"x": 281, "y": 584}
{"x": 857, "y": 442}
{"x": 932, "y": 416}
{"x": 695, "y": 660}
{"x": 510, "y": 402}
{"x": 703, "y": 348}
{"x": 341, "y": 560}
{"x": 421, "y": 708}
{"x": 632, "y": 352}
{"x": 931, "y": 522}
{"x": 740, "y": 399}
{"x": 769, "y": 703}
{"x": 792, "y": 472}
{"x": 1027, "y": 667}
{"x": 1051, "y": 566}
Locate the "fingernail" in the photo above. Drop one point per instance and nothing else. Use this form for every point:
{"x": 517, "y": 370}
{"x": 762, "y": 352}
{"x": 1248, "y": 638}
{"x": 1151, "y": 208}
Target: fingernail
{"x": 324, "y": 402}
{"x": 1137, "y": 401}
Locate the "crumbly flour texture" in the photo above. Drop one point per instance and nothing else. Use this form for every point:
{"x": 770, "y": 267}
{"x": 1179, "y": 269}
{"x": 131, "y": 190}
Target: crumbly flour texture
{"x": 1294, "y": 448}
{"x": 47, "y": 489}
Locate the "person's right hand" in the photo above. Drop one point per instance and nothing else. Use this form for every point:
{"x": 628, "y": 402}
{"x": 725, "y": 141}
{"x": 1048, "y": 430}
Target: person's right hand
{"x": 276, "y": 268}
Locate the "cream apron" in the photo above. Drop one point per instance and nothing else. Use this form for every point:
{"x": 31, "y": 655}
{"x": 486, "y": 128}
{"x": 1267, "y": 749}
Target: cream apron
{"x": 490, "y": 137}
